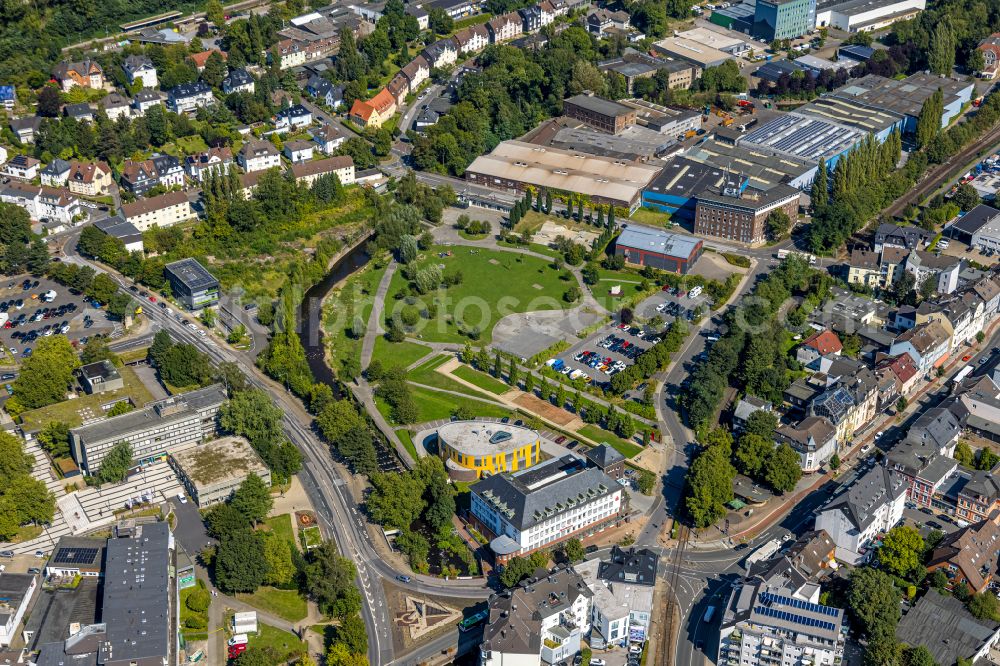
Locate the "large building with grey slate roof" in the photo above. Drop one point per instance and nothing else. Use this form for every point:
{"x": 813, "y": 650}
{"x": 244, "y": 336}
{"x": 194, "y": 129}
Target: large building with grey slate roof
{"x": 545, "y": 505}
{"x": 153, "y": 431}
{"x": 872, "y": 504}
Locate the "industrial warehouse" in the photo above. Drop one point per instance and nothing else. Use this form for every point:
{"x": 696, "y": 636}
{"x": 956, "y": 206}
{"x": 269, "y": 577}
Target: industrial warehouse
{"x": 646, "y": 246}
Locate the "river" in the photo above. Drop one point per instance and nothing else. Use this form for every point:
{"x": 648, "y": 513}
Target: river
{"x": 311, "y": 312}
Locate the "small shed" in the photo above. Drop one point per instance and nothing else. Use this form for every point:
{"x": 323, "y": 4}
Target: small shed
{"x": 245, "y": 623}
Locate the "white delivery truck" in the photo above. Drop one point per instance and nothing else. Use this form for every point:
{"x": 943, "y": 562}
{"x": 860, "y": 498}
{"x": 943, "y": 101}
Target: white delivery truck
{"x": 764, "y": 552}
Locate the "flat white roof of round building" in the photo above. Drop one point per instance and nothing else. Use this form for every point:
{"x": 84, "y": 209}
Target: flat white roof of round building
{"x": 479, "y": 438}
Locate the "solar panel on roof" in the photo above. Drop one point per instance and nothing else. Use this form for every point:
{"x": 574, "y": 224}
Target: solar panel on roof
{"x": 793, "y": 617}
{"x": 75, "y": 555}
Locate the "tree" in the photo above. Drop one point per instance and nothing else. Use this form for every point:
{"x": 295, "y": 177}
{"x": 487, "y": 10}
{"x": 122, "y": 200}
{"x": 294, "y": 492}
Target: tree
{"x": 240, "y": 562}
{"x": 901, "y": 551}
{"x": 439, "y": 21}
{"x": 223, "y": 521}
{"x": 330, "y": 581}
{"x": 710, "y": 486}
{"x": 215, "y": 13}
{"x": 941, "y": 56}
{"x": 278, "y": 555}
{"x": 874, "y": 601}
{"x": 752, "y": 452}
{"x": 351, "y": 633}
{"x": 14, "y": 461}
{"x": 252, "y": 414}
{"x": 929, "y": 120}
{"x": 47, "y": 374}
{"x": 985, "y": 606}
{"x": 573, "y": 550}
{"x": 97, "y": 349}
{"x": 781, "y": 470}
{"x": 966, "y": 197}
{"x": 919, "y": 656}
{"x": 646, "y": 482}
{"x": 396, "y": 500}
{"x": 820, "y": 187}
{"x": 215, "y": 70}
{"x": 835, "y": 461}
{"x": 778, "y": 224}
{"x": 54, "y": 438}
{"x": 761, "y": 423}
{"x": 964, "y": 455}
{"x": 253, "y": 499}
{"x": 119, "y": 408}
{"x": 49, "y": 102}
{"x": 116, "y": 464}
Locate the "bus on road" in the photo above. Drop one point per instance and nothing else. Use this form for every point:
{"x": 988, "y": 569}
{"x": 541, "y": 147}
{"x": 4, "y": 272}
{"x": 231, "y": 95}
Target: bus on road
{"x": 961, "y": 374}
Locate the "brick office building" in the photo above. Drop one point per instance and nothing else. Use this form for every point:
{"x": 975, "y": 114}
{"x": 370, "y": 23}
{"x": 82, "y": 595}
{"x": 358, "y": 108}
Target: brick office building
{"x": 599, "y": 113}
{"x": 740, "y": 213}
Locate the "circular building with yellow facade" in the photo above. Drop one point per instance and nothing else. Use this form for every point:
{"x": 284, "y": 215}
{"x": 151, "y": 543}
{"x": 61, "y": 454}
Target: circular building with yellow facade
{"x": 472, "y": 449}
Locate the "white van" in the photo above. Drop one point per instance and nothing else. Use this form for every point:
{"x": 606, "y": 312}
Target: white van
{"x": 49, "y": 296}
{"x": 239, "y": 639}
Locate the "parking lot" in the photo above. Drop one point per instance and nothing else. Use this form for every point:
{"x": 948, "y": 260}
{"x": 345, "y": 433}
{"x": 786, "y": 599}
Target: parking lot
{"x": 38, "y": 308}
{"x": 609, "y": 351}
{"x": 672, "y": 303}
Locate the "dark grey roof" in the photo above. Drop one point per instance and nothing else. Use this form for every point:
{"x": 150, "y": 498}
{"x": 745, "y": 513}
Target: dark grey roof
{"x": 529, "y": 497}
{"x": 31, "y": 122}
{"x": 515, "y": 623}
{"x": 599, "y": 105}
{"x": 55, "y": 611}
{"x": 296, "y": 111}
{"x": 879, "y": 486}
{"x": 905, "y": 236}
{"x": 56, "y": 167}
{"x": 117, "y": 226}
{"x": 237, "y": 77}
{"x": 772, "y": 71}
{"x": 944, "y": 626}
{"x": 191, "y": 273}
{"x": 136, "y": 601}
{"x": 85, "y": 552}
{"x": 190, "y": 90}
{"x": 630, "y": 566}
{"x": 975, "y": 219}
{"x": 78, "y": 110}
{"x": 603, "y": 456}
{"x": 936, "y": 426}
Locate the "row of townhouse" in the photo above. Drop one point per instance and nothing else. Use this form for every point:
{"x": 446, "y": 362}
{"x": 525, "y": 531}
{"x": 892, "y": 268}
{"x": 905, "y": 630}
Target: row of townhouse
{"x": 42, "y": 202}
{"x": 445, "y": 53}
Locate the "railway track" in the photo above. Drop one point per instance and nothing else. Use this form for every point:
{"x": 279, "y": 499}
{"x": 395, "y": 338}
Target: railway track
{"x": 667, "y": 655}
{"x": 942, "y": 173}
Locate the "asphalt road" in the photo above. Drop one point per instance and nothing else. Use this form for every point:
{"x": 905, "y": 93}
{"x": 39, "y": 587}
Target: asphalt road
{"x": 339, "y": 518}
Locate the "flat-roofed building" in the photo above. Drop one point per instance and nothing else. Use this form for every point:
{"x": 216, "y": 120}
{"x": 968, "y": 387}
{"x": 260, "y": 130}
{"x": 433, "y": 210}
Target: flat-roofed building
{"x": 905, "y": 98}
{"x": 648, "y": 246}
{"x": 694, "y": 52}
{"x": 855, "y": 113}
{"x": 473, "y": 448}
{"x": 153, "y": 431}
{"x": 100, "y": 377}
{"x": 666, "y": 120}
{"x": 16, "y": 593}
{"x": 76, "y": 556}
{"x": 803, "y": 137}
{"x": 682, "y": 179}
{"x": 764, "y": 169}
{"x": 214, "y": 470}
{"x": 717, "y": 40}
{"x": 516, "y": 165}
{"x": 865, "y": 15}
{"x": 192, "y": 284}
{"x": 600, "y": 113}
{"x": 740, "y": 214}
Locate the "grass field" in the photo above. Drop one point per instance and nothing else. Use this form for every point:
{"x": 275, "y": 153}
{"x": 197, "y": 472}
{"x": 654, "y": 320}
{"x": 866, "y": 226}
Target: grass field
{"x": 407, "y": 440}
{"x": 68, "y": 411}
{"x": 192, "y": 634}
{"x": 398, "y": 353}
{"x": 285, "y": 645}
{"x": 651, "y": 217}
{"x": 599, "y": 435}
{"x": 282, "y": 526}
{"x": 480, "y": 379}
{"x": 524, "y": 283}
{"x": 286, "y": 604}
{"x": 353, "y": 299}
{"x": 432, "y": 405}
{"x": 311, "y": 537}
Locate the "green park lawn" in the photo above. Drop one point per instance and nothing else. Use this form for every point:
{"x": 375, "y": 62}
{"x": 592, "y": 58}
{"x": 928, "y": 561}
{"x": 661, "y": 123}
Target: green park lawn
{"x": 353, "y": 299}
{"x": 407, "y": 439}
{"x": 69, "y": 411}
{"x": 524, "y": 283}
{"x": 282, "y": 526}
{"x": 599, "y": 435}
{"x": 651, "y": 217}
{"x": 192, "y": 634}
{"x": 286, "y": 645}
{"x": 286, "y": 604}
{"x": 432, "y": 405}
{"x": 426, "y": 373}
{"x": 480, "y": 379}
{"x": 401, "y": 354}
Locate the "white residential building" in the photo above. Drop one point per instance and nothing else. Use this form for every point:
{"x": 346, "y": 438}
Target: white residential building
{"x": 341, "y": 166}
{"x": 299, "y": 151}
{"x": 17, "y": 591}
{"x": 542, "y": 620}
{"x": 190, "y": 97}
{"x": 292, "y": 118}
{"x": 927, "y": 344}
{"x": 258, "y": 156}
{"x": 544, "y": 505}
{"x": 623, "y": 596}
{"x": 140, "y": 68}
{"x": 871, "y": 505}
{"x": 42, "y": 202}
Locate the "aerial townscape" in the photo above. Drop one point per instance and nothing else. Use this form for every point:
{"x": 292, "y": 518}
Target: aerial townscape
{"x": 500, "y": 333}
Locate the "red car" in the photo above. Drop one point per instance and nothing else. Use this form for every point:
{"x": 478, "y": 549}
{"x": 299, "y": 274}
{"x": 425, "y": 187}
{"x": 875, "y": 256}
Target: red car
{"x": 152, "y": 299}
{"x": 560, "y": 439}
{"x": 967, "y": 357}
{"x": 237, "y": 650}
